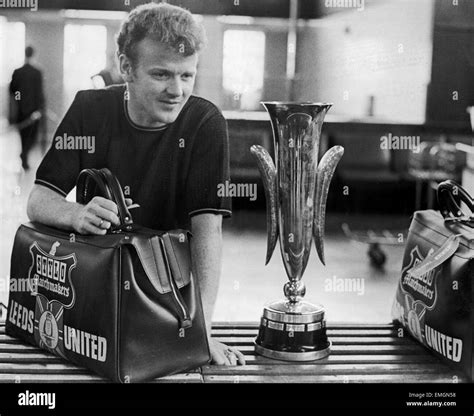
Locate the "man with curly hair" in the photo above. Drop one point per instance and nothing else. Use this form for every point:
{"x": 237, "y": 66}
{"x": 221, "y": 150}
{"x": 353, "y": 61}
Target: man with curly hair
{"x": 167, "y": 147}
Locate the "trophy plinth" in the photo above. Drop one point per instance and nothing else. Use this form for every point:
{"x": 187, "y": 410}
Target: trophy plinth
{"x": 293, "y": 332}
{"x": 296, "y": 188}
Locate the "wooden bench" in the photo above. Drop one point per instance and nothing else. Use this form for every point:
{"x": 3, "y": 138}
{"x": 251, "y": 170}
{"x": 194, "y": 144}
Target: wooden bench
{"x": 360, "y": 354}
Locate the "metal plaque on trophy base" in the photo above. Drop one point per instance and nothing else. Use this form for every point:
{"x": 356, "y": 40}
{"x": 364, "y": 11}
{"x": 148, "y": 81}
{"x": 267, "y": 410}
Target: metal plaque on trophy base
{"x": 296, "y": 189}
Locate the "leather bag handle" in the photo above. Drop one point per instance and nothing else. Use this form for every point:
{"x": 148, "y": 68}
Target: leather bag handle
{"x": 101, "y": 182}
{"x": 450, "y": 196}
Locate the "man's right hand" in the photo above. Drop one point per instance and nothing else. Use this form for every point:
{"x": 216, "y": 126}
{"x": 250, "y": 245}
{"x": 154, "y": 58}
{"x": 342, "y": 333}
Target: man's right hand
{"x": 96, "y": 217}
{"x": 50, "y": 208}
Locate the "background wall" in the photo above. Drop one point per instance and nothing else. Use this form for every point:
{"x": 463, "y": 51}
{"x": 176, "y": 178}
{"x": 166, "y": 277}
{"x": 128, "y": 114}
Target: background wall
{"x": 45, "y": 33}
{"x": 452, "y": 83}
{"x": 383, "y": 51}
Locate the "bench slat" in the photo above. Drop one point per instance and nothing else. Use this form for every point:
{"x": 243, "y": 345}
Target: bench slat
{"x": 351, "y": 359}
{"x": 251, "y": 331}
{"x": 50, "y": 378}
{"x": 87, "y": 378}
{"x": 324, "y": 369}
{"x": 339, "y": 378}
{"x": 361, "y": 349}
{"x": 33, "y": 357}
{"x": 19, "y": 348}
{"x": 337, "y": 325}
{"x": 334, "y": 340}
{"x": 331, "y": 332}
{"x": 37, "y": 368}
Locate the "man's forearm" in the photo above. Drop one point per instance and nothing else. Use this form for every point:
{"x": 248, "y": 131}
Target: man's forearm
{"x": 50, "y": 208}
{"x": 206, "y": 253}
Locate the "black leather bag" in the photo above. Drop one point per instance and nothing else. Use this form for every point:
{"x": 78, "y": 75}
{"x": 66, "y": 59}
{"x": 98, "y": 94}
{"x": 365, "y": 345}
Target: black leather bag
{"x": 125, "y": 305}
{"x": 435, "y": 296}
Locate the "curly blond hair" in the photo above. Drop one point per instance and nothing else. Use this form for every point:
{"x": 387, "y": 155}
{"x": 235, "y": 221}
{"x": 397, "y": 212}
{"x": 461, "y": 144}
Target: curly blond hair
{"x": 165, "y": 23}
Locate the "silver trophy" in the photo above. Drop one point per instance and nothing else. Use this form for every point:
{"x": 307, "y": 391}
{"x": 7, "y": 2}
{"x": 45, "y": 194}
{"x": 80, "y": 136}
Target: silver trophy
{"x": 296, "y": 192}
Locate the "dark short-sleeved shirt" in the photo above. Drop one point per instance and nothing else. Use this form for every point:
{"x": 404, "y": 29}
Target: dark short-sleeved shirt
{"x": 173, "y": 172}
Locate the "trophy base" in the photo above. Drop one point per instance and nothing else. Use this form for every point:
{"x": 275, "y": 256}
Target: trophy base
{"x": 293, "y": 332}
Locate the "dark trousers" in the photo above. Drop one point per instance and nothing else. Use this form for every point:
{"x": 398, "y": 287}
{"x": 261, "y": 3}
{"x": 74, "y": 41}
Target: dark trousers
{"x": 28, "y": 138}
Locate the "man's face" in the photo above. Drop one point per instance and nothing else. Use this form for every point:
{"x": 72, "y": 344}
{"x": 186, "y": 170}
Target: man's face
{"x": 162, "y": 81}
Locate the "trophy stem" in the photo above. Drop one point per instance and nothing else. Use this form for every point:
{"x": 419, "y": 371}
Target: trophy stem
{"x": 294, "y": 290}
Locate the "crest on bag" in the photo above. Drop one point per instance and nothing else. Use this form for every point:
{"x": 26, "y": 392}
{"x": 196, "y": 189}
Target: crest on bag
{"x": 50, "y": 281}
{"x": 49, "y": 328}
{"x": 418, "y": 293}
{"x": 422, "y": 288}
{"x": 50, "y": 275}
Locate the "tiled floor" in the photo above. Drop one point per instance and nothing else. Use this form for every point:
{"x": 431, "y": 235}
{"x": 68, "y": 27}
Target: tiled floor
{"x": 246, "y": 282}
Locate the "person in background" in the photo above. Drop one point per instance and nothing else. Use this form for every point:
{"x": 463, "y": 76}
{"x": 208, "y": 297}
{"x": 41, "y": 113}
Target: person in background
{"x": 27, "y": 102}
{"x": 109, "y": 75}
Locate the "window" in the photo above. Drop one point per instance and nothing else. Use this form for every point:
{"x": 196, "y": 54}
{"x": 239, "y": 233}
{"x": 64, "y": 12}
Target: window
{"x": 243, "y": 68}
{"x": 85, "y": 49}
{"x": 12, "y": 56}
{"x": 12, "y": 48}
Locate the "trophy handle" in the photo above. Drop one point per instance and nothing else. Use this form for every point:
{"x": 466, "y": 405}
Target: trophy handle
{"x": 325, "y": 172}
{"x": 268, "y": 173}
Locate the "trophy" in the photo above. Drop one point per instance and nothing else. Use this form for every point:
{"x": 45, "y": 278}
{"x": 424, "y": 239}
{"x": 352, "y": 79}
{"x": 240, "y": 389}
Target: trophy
{"x": 296, "y": 191}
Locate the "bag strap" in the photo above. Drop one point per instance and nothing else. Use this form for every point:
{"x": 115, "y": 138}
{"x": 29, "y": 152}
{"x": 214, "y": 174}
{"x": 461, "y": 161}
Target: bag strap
{"x": 101, "y": 182}
{"x": 154, "y": 259}
{"x": 437, "y": 257}
{"x": 185, "y": 320}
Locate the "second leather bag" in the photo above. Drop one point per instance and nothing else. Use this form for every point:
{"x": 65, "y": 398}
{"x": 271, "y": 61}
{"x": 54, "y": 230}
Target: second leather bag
{"x": 124, "y": 305}
{"x": 434, "y": 299}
